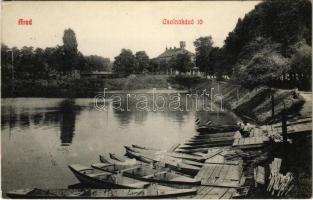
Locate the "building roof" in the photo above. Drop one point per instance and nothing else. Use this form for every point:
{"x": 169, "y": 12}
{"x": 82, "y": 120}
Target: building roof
{"x": 173, "y": 52}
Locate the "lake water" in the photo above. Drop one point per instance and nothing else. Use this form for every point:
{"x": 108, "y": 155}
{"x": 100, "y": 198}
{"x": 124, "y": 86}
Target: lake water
{"x": 41, "y": 136}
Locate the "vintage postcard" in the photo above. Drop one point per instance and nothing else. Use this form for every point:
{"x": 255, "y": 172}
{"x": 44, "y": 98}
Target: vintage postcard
{"x": 156, "y": 99}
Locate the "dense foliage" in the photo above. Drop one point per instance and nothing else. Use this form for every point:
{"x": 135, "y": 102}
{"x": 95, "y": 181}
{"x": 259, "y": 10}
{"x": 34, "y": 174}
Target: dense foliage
{"x": 283, "y": 21}
{"x": 142, "y": 62}
{"x": 127, "y": 63}
{"x": 182, "y": 63}
{"x": 204, "y": 46}
{"x": 271, "y": 45}
{"x": 277, "y": 30}
{"x": 30, "y": 63}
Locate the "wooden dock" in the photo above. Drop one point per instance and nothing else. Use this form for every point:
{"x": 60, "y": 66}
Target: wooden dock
{"x": 207, "y": 192}
{"x": 256, "y": 139}
{"x": 260, "y": 135}
{"x": 220, "y": 178}
{"x": 250, "y": 142}
{"x": 294, "y": 127}
{"x": 222, "y": 174}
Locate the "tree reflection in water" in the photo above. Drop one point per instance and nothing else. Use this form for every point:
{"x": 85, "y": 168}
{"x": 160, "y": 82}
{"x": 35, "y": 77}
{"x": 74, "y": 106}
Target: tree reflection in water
{"x": 67, "y": 112}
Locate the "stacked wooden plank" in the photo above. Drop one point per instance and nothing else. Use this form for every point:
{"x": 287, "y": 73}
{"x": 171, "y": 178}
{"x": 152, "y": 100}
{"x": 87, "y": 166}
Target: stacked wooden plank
{"x": 279, "y": 184}
{"x": 259, "y": 175}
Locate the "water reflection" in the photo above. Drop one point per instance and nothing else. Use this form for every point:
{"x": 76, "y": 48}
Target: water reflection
{"x": 8, "y": 118}
{"x": 24, "y": 120}
{"x": 39, "y": 126}
{"x": 62, "y": 115}
{"x": 126, "y": 109}
{"x": 37, "y": 118}
{"x": 67, "y": 113}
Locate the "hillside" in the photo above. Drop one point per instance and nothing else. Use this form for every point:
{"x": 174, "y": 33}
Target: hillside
{"x": 271, "y": 45}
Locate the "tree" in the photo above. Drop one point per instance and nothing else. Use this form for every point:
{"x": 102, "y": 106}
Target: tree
{"x": 182, "y": 62}
{"x": 26, "y": 68}
{"x": 97, "y": 63}
{"x": 142, "y": 61}
{"x": 154, "y": 65}
{"x": 203, "y": 48}
{"x": 301, "y": 64}
{"x": 215, "y": 63}
{"x": 73, "y": 58}
{"x": 6, "y": 64}
{"x": 125, "y": 62}
{"x": 70, "y": 42}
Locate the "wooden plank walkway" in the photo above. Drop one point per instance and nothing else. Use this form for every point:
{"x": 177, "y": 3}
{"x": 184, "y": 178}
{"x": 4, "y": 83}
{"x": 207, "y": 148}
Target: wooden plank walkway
{"x": 293, "y": 127}
{"x": 257, "y": 136}
{"x": 207, "y": 192}
{"x": 250, "y": 142}
{"x": 221, "y": 175}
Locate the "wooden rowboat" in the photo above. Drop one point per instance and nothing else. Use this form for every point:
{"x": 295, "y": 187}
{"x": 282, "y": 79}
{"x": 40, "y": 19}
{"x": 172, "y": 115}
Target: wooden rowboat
{"x": 206, "y": 145}
{"x": 143, "y": 147}
{"x": 146, "y": 173}
{"x": 100, "y": 179}
{"x": 201, "y": 150}
{"x": 213, "y": 136}
{"x": 171, "y": 154}
{"x": 217, "y": 129}
{"x": 161, "y": 155}
{"x": 128, "y": 161}
{"x": 117, "y": 157}
{"x": 155, "y": 192}
{"x": 168, "y": 162}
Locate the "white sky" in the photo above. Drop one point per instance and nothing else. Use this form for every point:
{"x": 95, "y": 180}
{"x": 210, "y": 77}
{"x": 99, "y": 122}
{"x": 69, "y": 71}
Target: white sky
{"x": 104, "y": 28}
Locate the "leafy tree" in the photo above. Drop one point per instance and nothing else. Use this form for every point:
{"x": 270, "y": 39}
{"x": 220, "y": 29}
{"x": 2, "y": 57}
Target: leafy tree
{"x": 301, "y": 64}
{"x": 73, "y": 58}
{"x": 154, "y": 65}
{"x": 283, "y": 21}
{"x": 125, "y": 62}
{"x": 142, "y": 61}
{"x": 97, "y": 63}
{"x": 70, "y": 42}
{"x": 182, "y": 62}
{"x": 203, "y": 48}
{"x": 6, "y": 64}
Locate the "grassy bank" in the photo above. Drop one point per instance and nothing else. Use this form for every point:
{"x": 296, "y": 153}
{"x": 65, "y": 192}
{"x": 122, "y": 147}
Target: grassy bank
{"x": 81, "y": 87}
{"x": 251, "y": 104}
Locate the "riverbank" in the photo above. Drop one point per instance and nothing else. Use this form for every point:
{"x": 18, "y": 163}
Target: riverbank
{"x": 254, "y": 105}
{"x": 81, "y": 88}
{"x": 251, "y": 104}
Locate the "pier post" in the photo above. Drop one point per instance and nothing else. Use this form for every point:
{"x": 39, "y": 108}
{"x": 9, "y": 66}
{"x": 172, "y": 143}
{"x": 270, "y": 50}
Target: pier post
{"x": 284, "y": 133}
{"x": 284, "y": 126}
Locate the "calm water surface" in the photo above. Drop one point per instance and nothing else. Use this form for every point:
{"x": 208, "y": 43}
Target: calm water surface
{"x": 41, "y": 136}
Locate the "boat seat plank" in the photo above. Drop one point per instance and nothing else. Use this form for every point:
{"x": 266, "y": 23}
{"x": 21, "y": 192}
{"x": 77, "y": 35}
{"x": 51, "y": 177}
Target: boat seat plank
{"x": 98, "y": 174}
{"x": 131, "y": 168}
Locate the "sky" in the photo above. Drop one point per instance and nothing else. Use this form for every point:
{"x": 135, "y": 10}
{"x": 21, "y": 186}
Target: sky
{"x": 104, "y": 28}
